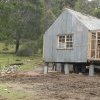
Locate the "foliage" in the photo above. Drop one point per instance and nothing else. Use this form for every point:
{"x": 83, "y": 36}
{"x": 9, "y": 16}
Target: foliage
{"x": 87, "y": 7}
{"x": 24, "y": 51}
{"x": 46, "y": 23}
{"x": 29, "y": 19}
{"x": 97, "y": 13}
{"x": 28, "y": 49}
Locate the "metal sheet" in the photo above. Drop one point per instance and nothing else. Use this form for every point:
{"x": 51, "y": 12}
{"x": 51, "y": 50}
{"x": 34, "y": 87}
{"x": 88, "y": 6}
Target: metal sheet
{"x": 67, "y": 23}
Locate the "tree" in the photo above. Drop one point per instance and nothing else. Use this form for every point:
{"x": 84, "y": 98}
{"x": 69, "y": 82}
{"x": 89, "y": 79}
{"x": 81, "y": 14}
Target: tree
{"x": 19, "y": 18}
{"x": 87, "y": 7}
{"x": 82, "y": 6}
{"x": 27, "y": 20}
{"x": 5, "y": 32}
{"x": 96, "y": 13}
{"x": 47, "y": 23}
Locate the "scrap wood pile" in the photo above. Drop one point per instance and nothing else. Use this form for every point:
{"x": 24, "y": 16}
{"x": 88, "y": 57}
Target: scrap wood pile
{"x": 13, "y": 68}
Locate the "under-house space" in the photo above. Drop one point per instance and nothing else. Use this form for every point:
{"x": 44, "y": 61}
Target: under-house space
{"x": 72, "y": 43}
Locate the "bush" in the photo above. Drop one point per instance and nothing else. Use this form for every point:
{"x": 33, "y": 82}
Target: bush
{"x": 28, "y": 49}
{"x": 24, "y": 52}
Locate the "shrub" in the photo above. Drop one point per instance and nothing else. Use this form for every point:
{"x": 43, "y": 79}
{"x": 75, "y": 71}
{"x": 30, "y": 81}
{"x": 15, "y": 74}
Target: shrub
{"x": 28, "y": 49}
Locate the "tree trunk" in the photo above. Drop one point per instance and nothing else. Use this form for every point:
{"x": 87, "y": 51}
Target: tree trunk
{"x": 17, "y": 43}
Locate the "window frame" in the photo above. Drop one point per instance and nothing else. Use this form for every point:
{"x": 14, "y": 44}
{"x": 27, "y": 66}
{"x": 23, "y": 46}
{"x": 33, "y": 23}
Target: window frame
{"x": 67, "y": 40}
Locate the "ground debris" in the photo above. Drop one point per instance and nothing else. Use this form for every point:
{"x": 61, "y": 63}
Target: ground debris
{"x": 56, "y": 86}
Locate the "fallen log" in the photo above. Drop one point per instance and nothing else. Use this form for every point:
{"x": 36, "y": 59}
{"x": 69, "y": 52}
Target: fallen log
{"x": 16, "y": 64}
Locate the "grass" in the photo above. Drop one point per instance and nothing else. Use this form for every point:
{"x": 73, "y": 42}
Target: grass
{"x": 10, "y": 47}
{"x": 31, "y": 63}
{"x": 7, "y": 93}
{"x": 28, "y": 62}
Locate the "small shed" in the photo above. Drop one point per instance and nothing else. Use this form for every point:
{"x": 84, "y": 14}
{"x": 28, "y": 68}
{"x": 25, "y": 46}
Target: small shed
{"x": 73, "y": 41}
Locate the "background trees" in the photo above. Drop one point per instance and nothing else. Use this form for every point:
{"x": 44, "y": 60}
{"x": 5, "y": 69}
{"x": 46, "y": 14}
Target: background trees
{"x": 23, "y": 22}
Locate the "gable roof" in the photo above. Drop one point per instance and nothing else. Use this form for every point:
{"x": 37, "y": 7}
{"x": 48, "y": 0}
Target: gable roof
{"x": 92, "y": 23}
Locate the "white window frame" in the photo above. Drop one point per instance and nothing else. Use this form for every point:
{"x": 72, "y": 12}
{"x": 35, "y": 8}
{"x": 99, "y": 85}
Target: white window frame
{"x": 68, "y": 43}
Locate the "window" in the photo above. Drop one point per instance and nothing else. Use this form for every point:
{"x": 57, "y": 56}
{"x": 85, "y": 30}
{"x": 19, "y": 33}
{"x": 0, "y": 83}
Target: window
{"x": 65, "y": 41}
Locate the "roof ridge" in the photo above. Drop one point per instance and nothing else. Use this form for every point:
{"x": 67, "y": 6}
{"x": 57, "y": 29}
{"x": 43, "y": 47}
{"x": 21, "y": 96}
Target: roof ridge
{"x": 83, "y": 14}
{"x": 91, "y": 22}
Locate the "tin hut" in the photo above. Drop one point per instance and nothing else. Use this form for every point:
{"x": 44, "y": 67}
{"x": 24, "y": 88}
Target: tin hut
{"x": 73, "y": 41}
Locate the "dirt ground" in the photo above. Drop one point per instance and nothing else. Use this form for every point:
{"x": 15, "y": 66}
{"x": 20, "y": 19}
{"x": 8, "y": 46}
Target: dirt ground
{"x": 55, "y": 86}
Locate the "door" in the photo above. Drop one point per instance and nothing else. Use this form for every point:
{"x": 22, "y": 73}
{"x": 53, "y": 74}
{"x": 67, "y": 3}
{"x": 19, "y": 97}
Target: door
{"x": 95, "y": 46}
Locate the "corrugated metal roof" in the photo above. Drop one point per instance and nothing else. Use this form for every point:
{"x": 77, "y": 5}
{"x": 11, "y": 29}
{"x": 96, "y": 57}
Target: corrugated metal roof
{"x": 92, "y": 23}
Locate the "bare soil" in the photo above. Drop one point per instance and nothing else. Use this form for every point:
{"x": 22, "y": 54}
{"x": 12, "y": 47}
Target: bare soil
{"x": 55, "y": 86}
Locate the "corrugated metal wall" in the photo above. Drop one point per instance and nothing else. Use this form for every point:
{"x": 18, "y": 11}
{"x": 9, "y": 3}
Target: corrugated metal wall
{"x": 66, "y": 24}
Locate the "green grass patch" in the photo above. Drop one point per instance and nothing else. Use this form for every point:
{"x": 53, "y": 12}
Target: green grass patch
{"x": 31, "y": 62}
{"x": 7, "y": 93}
{"x": 28, "y": 62}
{"x": 10, "y": 47}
